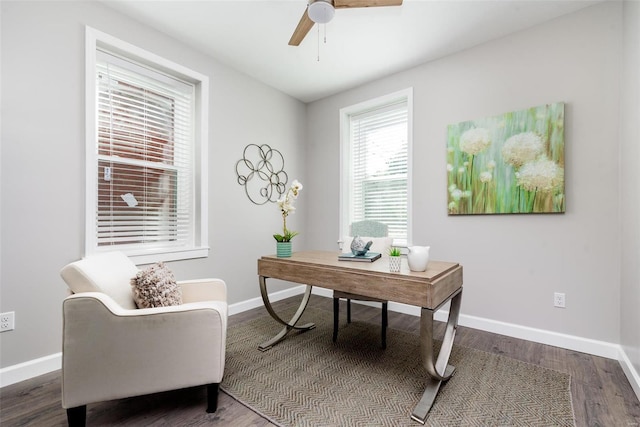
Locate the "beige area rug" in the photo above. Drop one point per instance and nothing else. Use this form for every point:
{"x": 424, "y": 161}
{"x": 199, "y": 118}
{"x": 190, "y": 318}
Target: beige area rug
{"x": 307, "y": 380}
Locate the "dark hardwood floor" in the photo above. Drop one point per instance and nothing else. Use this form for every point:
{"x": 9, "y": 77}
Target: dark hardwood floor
{"x": 602, "y": 396}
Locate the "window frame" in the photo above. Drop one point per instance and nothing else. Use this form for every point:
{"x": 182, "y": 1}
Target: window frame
{"x": 197, "y": 244}
{"x": 345, "y": 156}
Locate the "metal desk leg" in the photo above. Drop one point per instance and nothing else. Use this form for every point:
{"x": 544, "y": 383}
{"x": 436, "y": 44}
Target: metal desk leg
{"x": 288, "y": 326}
{"x": 441, "y": 370}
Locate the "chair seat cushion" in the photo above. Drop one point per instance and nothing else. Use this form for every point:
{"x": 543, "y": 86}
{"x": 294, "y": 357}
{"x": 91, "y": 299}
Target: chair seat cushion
{"x": 155, "y": 286}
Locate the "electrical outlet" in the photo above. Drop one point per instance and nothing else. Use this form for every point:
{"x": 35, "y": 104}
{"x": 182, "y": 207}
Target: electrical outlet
{"x": 558, "y": 300}
{"x": 7, "y": 321}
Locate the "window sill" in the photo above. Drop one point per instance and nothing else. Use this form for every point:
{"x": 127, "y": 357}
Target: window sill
{"x": 149, "y": 258}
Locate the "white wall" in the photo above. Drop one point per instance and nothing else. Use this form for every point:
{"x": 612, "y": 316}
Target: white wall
{"x": 43, "y": 152}
{"x": 630, "y": 186}
{"x": 512, "y": 263}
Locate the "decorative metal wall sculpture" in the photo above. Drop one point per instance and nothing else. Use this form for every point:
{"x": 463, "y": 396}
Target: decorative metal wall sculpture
{"x": 261, "y": 172}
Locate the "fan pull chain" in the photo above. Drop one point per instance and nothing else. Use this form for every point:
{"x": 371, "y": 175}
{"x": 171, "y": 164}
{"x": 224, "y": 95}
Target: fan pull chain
{"x": 324, "y": 28}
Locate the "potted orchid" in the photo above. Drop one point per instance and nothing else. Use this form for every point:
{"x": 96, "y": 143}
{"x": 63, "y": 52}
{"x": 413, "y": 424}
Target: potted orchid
{"x": 285, "y": 204}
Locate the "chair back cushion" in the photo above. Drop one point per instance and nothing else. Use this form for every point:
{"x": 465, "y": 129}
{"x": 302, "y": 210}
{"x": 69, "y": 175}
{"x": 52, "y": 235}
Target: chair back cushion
{"x": 109, "y": 273}
{"x": 369, "y": 228}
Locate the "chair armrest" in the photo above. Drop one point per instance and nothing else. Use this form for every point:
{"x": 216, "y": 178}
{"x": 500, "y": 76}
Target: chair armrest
{"x": 110, "y": 352}
{"x": 203, "y": 290}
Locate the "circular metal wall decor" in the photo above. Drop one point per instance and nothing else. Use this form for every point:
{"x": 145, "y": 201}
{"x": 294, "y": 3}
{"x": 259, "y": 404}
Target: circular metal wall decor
{"x": 261, "y": 172}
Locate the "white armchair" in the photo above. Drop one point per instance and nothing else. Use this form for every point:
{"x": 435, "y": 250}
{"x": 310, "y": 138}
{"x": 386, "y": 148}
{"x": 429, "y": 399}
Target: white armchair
{"x": 112, "y": 350}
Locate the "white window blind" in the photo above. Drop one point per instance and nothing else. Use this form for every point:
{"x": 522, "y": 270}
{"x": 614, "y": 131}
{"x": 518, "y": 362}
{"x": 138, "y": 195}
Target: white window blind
{"x": 145, "y": 156}
{"x": 378, "y": 167}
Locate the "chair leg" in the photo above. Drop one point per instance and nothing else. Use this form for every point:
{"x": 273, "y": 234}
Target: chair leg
{"x": 336, "y": 316}
{"x": 385, "y": 322}
{"x": 77, "y": 417}
{"x": 348, "y": 311}
{"x": 212, "y": 397}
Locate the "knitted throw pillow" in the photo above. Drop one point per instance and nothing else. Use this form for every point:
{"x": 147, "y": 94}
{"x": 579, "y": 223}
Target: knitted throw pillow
{"x": 156, "y": 287}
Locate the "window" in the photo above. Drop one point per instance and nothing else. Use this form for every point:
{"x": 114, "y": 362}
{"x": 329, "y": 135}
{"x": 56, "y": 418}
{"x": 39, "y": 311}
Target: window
{"x": 146, "y": 126}
{"x": 375, "y": 180}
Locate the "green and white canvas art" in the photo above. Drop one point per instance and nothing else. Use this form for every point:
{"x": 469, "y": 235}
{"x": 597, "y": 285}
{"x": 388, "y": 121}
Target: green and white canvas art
{"x": 506, "y": 164}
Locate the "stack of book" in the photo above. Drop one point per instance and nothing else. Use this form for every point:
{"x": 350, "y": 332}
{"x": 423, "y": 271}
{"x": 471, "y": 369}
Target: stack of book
{"x": 368, "y": 257}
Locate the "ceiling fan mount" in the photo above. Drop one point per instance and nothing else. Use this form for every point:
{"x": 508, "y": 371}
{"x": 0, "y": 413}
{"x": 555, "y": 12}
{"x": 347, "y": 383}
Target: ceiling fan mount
{"x": 322, "y": 11}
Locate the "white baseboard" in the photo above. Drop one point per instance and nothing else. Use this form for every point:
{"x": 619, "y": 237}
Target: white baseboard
{"x": 630, "y": 372}
{"x": 43, "y": 365}
{"x": 252, "y": 303}
{"x": 570, "y": 342}
{"x": 30, "y": 369}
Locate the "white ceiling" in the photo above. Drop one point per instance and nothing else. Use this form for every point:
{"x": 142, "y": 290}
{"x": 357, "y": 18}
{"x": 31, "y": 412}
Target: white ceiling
{"x": 362, "y": 44}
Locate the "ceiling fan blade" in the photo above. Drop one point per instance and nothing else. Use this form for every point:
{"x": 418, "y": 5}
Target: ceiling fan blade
{"x": 341, "y": 4}
{"x": 301, "y": 30}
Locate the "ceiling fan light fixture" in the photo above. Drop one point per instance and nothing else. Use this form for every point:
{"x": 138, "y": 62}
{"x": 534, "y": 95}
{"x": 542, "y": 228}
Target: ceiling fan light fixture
{"x": 321, "y": 11}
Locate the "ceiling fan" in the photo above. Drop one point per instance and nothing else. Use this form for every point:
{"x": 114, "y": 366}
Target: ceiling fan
{"x": 321, "y": 12}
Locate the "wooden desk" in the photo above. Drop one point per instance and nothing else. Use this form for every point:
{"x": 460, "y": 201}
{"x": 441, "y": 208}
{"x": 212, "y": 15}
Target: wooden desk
{"x": 430, "y": 290}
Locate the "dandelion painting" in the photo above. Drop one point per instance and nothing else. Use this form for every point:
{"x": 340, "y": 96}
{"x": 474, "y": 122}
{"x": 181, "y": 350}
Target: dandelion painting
{"x": 512, "y": 163}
